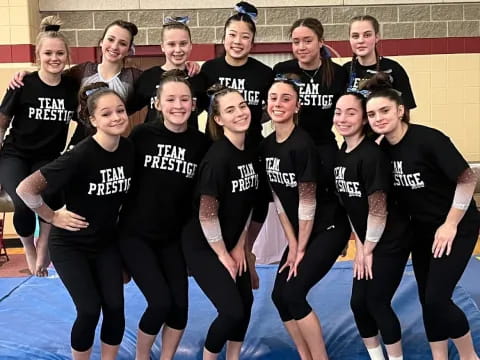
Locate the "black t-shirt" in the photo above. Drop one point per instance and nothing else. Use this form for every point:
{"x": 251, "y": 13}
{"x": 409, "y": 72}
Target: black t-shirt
{"x": 317, "y": 101}
{"x": 145, "y": 94}
{"x": 166, "y": 164}
{"x": 360, "y": 173}
{"x": 94, "y": 182}
{"x": 397, "y": 74}
{"x": 426, "y": 166}
{"x": 287, "y": 164}
{"x": 232, "y": 177}
{"x": 253, "y": 79}
{"x": 40, "y": 116}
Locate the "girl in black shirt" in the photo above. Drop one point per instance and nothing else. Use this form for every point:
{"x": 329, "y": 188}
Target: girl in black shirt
{"x": 177, "y": 46}
{"x": 214, "y": 239}
{"x": 237, "y": 70}
{"x": 94, "y": 178}
{"x": 363, "y": 182}
{"x": 167, "y": 154}
{"x": 364, "y": 35}
{"x": 40, "y": 113}
{"x": 314, "y": 224}
{"x": 435, "y": 185}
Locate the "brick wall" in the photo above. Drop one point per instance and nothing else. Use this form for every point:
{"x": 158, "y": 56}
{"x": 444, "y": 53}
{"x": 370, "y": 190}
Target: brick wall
{"x": 84, "y": 28}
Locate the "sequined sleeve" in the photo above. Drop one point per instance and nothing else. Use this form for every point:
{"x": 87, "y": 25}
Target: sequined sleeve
{"x": 466, "y": 183}
{"x": 377, "y": 216}
{"x": 30, "y": 188}
{"x": 307, "y": 200}
{"x": 208, "y": 216}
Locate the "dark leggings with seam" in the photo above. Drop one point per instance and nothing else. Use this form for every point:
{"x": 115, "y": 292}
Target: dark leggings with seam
{"x": 437, "y": 278}
{"x": 160, "y": 272}
{"x": 12, "y": 171}
{"x": 323, "y": 249}
{"x": 95, "y": 283}
{"x": 232, "y": 299}
{"x": 371, "y": 299}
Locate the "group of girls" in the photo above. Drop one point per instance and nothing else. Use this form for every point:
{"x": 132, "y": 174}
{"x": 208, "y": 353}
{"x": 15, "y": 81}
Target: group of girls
{"x": 321, "y": 193}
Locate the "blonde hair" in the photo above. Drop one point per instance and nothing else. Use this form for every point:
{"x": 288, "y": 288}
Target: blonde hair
{"x": 50, "y": 29}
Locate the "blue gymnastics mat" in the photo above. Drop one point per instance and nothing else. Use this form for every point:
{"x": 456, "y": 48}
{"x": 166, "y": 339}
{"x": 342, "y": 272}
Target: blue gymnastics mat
{"x": 36, "y": 315}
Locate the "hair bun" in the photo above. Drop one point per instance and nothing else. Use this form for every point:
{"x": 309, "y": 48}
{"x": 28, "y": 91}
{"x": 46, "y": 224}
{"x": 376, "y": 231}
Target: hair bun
{"x": 215, "y": 88}
{"x": 175, "y": 73}
{"x": 379, "y": 81}
{"x": 51, "y": 23}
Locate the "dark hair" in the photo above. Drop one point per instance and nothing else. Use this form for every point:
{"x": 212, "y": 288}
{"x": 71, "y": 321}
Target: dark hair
{"x": 88, "y": 97}
{"x": 326, "y": 70}
{"x": 293, "y": 81}
{"x": 50, "y": 29}
{"x": 243, "y": 16}
{"x": 174, "y": 75}
{"x": 215, "y": 92}
{"x": 380, "y": 86}
{"x": 367, "y": 130}
{"x": 175, "y": 25}
{"x": 130, "y": 27}
{"x": 376, "y": 29}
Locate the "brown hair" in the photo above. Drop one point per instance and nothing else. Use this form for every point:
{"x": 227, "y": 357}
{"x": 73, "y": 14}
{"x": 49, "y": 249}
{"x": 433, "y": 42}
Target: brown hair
{"x": 215, "y": 92}
{"x": 293, "y": 81}
{"x": 130, "y": 27}
{"x": 175, "y": 25}
{"x": 376, "y": 29}
{"x": 327, "y": 71}
{"x": 380, "y": 86}
{"x": 50, "y": 29}
{"x": 174, "y": 75}
{"x": 88, "y": 97}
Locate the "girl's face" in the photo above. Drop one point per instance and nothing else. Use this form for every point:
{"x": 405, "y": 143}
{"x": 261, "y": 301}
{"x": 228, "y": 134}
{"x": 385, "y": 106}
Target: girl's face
{"x": 384, "y": 115}
{"x": 349, "y": 117}
{"x": 306, "y": 46}
{"x": 177, "y": 46}
{"x": 238, "y": 40}
{"x": 52, "y": 55}
{"x": 115, "y": 44}
{"x": 363, "y": 38}
{"x": 282, "y": 103}
{"x": 110, "y": 116}
{"x": 175, "y": 104}
{"x": 234, "y": 114}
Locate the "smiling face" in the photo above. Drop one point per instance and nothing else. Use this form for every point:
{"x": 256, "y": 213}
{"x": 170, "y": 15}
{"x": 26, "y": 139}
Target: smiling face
{"x": 115, "y": 44}
{"x": 306, "y": 47}
{"x": 238, "y": 41}
{"x": 175, "y": 103}
{"x": 52, "y": 55}
{"x": 109, "y": 116}
{"x": 234, "y": 113}
{"x": 349, "y": 118}
{"x": 177, "y": 46}
{"x": 384, "y": 115}
{"x": 363, "y": 38}
{"x": 282, "y": 103}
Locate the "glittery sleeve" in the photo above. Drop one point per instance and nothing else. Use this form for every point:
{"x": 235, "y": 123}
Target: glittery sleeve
{"x": 307, "y": 200}
{"x": 465, "y": 187}
{"x": 377, "y": 216}
{"x": 30, "y": 188}
{"x": 208, "y": 216}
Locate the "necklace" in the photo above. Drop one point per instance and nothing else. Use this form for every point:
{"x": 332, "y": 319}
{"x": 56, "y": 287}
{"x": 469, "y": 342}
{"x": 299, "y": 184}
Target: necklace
{"x": 311, "y": 76}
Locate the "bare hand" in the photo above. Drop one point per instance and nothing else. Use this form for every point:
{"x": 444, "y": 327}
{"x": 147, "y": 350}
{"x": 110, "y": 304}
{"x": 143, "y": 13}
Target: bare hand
{"x": 17, "y": 80}
{"x": 359, "y": 266}
{"x": 68, "y": 220}
{"x": 290, "y": 262}
{"x": 229, "y": 264}
{"x": 368, "y": 261}
{"x": 254, "y": 279}
{"x": 298, "y": 260}
{"x": 192, "y": 68}
{"x": 443, "y": 240}
{"x": 238, "y": 255}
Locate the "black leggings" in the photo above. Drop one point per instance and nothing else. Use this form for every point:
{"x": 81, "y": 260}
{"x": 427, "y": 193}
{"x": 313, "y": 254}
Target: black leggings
{"x": 371, "y": 299}
{"x": 232, "y": 299}
{"x": 322, "y": 251}
{"x": 437, "y": 278}
{"x": 95, "y": 282}
{"x": 161, "y": 275}
{"x": 12, "y": 171}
